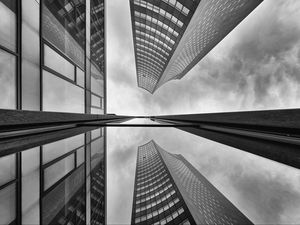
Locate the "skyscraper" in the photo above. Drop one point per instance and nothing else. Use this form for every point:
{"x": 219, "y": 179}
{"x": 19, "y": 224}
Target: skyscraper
{"x": 52, "y": 58}
{"x": 171, "y": 36}
{"x": 168, "y": 189}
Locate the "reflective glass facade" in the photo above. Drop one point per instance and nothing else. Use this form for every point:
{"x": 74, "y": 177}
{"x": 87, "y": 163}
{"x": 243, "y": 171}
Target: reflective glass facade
{"x": 169, "y": 190}
{"x": 52, "y": 58}
{"x": 171, "y": 36}
{"x": 157, "y": 27}
{"x": 157, "y": 199}
{"x": 205, "y": 202}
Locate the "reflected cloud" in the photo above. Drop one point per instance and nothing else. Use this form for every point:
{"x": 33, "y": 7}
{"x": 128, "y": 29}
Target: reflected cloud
{"x": 256, "y": 66}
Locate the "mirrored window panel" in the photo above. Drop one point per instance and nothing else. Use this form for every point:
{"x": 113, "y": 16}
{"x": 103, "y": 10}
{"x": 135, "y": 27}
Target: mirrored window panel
{"x": 60, "y": 95}
{"x": 8, "y": 24}
{"x": 7, "y": 80}
{"x": 64, "y": 27}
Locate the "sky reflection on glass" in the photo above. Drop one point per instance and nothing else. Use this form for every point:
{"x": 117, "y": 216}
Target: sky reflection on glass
{"x": 265, "y": 191}
{"x": 256, "y": 67}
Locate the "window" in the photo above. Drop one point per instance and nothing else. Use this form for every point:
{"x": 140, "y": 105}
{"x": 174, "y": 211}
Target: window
{"x": 8, "y": 24}
{"x": 7, "y": 80}
{"x": 56, "y": 62}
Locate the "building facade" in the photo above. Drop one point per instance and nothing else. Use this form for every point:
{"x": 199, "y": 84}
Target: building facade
{"x": 169, "y": 190}
{"x": 157, "y": 28}
{"x": 52, "y": 58}
{"x": 172, "y": 36}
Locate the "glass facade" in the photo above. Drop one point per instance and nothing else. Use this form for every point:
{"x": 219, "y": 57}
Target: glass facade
{"x": 205, "y": 202}
{"x": 50, "y": 62}
{"x": 157, "y": 200}
{"x": 157, "y": 29}
{"x": 169, "y": 42}
{"x": 169, "y": 190}
{"x": 213, "y": 20}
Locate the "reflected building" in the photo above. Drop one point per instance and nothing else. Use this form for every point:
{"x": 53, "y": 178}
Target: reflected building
{"x": 171, "y": 36}
{"x": 52, "y": 58}
{"x": 169, "y": 190}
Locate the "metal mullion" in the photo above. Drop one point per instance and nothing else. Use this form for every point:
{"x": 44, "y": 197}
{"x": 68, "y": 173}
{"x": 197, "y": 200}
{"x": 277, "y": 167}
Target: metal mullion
{"x": 9, "y": 51}
{"x": 67, "y": 13}
{"x": 52, "y": 162}
{"x": 60, "y": 76}
{"x": 57, "y": 183}
{"x": 8, "y": 184}
{"x": 18, "y": 155}
{"x": 96, "y": 94}
{"x": 41, "y": 54}
{"x": 58, "y": 51}
{"x": 96, "y": 107}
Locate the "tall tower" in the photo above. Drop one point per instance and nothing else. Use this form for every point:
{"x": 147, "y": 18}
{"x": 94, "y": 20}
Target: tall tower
{"x": 169, "y": 190}
{"x": 171, "y": 36}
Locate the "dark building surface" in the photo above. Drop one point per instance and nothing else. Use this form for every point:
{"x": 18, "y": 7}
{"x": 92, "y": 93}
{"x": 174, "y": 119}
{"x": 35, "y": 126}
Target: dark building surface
{"x": 171, "y": 36}
{"x": 169, "y": 190}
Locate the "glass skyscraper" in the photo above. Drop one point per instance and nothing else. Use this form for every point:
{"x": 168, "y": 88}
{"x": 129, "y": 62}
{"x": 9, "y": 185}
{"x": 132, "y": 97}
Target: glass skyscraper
{"x": 169, "y": 190}
{"x": 52, "y": 58}
{"x": 171, "y": 36}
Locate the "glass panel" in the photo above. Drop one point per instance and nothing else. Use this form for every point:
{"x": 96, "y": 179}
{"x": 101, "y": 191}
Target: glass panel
{"x": 97, "y": 83}
{"x": 58, "y": 63}
{"x": 80, "y": 156}
{"x": 96, "y": 111}
{"x": 30, "y": 186}
{"x": 60, "y": 203}
{"x": 30, "y": 55}
{"x": 7, "y": 80}
{"x": 7, "y": 168}
{"x": 96, "y": 133}
{"x": 8, "y": 24}
{"x": 8, "y": 204}
{"x": 97, "y": 34}
{"x": 64, "y": 27}
{"x": 56, "y": 171}
{"x": 60, "y": 95}
{"x": 80, "y": 77}
{"x": 96, "y": 101}
{"x": 30, "y": 85}
{"x": 97, "y": 152}
{"x": 97, "y": 181}
{"x": 53, "y": 150}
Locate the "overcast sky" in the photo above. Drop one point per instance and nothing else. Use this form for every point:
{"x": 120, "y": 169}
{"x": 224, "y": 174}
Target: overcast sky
{"x": 257, "y": 66}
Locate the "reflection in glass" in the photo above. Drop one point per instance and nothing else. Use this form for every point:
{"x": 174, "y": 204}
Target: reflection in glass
{"x": 96, "y": 101}
{"x": 96, "y": 111}
{"x": 7, "y": 204}
{"x": 96, "y": 133}
{"x": 30, "y": 55}
{"x": 64, "y": 27}
{"x": 97, "y": 181}
{"x": 80, "y": 77}
{"x": 56, "y": 171}
{"x": 80, "y": 156}
{"x": 61, "y": 96}
{"x": 30, "y": 186}
{"x": 65, "y": 204}
{"x": 8, "y": 24}
{"x": 58, "y": 63}
{"x": 53, "y": 150}
{"x": 97, "y": 84}
{"x": 7, "y": 168}
{"x": 97, "y": 35}
{"x": 7, "y": 80}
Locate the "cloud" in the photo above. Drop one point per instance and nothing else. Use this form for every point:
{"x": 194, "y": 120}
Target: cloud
{"x": 257, "y": 66}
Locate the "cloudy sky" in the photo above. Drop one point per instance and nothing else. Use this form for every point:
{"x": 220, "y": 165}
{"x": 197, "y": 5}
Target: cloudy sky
{"x": 257, "y": 66}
